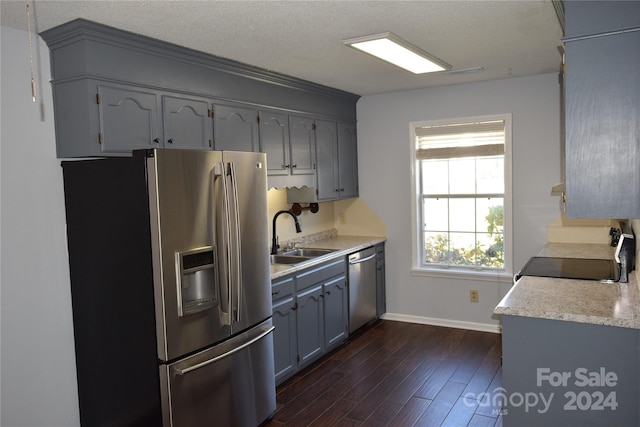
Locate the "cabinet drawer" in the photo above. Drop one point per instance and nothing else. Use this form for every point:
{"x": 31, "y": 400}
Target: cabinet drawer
{"x": 320, "y": 273}
{"x": 282, "y": 288}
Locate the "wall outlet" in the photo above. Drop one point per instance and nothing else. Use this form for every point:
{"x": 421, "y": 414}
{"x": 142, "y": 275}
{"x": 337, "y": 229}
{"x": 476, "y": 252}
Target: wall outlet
{"x": 341, "y": 218}
{"x": 473, "y": 295}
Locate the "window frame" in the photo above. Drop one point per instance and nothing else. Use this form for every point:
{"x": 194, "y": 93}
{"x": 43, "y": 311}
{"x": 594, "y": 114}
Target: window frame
{"x": 445, "y": 271}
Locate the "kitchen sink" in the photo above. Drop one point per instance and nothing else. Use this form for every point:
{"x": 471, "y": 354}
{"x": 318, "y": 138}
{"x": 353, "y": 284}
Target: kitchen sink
{"x": 298, "y": 255}
{"x": 288, "y": 259}
{"x": 308, "y": 252}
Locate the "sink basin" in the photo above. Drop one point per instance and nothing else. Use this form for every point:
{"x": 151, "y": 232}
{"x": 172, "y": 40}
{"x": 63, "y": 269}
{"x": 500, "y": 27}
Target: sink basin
{"x": 288, "y": 259}
{"x": 298, "y": 255}
{"x": 308, "y": 252}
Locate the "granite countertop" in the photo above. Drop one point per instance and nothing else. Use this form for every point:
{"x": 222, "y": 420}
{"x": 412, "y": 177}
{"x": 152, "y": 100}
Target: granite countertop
{"x": 344, "y": 245}
{"x": 582, "y": 301}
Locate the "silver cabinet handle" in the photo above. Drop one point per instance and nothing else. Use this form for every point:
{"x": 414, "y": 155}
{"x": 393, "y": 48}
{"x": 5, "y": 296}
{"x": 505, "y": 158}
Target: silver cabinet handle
{"x": 224, "y": 355}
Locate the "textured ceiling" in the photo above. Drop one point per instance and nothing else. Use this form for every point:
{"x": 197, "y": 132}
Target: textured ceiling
{"x": 304, "y": 38}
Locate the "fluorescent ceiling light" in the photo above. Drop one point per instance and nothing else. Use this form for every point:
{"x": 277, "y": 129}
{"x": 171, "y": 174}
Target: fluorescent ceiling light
{"x": 391, "y": 48}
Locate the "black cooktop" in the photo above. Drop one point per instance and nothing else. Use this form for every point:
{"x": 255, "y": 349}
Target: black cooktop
{"x": 571, "y": 268}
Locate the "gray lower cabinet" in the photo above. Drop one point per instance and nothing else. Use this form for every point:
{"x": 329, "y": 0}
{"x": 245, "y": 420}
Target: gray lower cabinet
{"x": 284, "y": 336}
{"x": 310, "y": 313}
{"x": 565, "y": 374}
{"x": 310, "y": 316}
{"x": 381, "y": 296}
{"x": 336, "y": 311}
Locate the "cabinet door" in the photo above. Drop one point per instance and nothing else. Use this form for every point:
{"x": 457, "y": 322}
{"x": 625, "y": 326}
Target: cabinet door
{"x": 602, "y": 104}
{"x": 187, "y": 123}
{"x": 336, "y": 312}
{"x": 274, "y": 141}
{"x": 327, "y": 168}
{"x": 128, "y": 119}
{"x": 303, "y": 148}
{"x": 235, "y": 128}
{"x": 310, "y": 318}
{"x": 347, "y": 160}
{"x": 284, "y": 338}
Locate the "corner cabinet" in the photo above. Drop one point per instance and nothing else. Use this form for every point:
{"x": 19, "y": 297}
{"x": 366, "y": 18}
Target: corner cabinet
{"x": 337, "y": 160}
{"x": 602, "y": 118}
{"x": 310, "y": 313}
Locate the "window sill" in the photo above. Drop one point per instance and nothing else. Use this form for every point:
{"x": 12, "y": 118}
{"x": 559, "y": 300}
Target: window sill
{"x": 479, "y": 275}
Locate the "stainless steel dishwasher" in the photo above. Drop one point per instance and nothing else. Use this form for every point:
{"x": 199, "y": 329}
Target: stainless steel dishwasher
{"x": 362, "y": 288}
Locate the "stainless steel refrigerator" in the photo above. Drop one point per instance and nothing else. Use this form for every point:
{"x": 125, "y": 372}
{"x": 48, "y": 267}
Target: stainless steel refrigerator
{"x": 170, "y": 286}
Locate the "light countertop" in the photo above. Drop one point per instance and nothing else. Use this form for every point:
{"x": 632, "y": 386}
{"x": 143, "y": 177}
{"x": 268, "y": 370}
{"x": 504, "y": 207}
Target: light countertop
{"x": 344, "y": 245}
{"x": 582, "y": 301}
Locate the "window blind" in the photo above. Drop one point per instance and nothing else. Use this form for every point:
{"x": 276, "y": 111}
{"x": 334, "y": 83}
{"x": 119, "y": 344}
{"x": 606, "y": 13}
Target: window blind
{"x": 482, "y": 139}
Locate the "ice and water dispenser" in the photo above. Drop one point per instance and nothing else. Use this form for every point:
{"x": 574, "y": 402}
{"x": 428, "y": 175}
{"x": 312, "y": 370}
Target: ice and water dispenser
{"x": 197, "y": 280}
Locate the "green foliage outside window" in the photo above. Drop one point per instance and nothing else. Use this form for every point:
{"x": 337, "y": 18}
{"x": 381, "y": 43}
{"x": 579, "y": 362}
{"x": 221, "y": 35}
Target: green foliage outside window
{"x": 439, "y": 250}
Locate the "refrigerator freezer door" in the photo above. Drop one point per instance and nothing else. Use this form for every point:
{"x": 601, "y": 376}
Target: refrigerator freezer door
{"x": 231, "y": 384}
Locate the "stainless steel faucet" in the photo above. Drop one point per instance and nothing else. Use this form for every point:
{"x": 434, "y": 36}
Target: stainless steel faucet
{"x": 274, "y": 236}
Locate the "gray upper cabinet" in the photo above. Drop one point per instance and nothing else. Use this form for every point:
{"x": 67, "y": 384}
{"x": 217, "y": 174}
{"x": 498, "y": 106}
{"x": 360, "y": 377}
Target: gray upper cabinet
{"x": 274, "y": 141}
{"x": 602, "y": 125}
{"x": 327, "y": 150}
{"x": 115, "y": 91}
{"x": 586, "y": 18}
{"x": 235, "y": 128}
{"x": 289, "y": 141}
{"x": 303, "y": 148}
{"x": 347, "y": 160}
{"x": 337, "y": 160}
{"x": 128, "y": 119}
{"x": 187, "y": 122}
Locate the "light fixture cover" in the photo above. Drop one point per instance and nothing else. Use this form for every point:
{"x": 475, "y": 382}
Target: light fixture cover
{"x": 393, "y": 49}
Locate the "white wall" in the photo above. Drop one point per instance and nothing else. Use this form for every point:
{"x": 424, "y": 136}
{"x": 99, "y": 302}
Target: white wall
{"x": 384, "y": 145}
{"x": 37, "y": 355}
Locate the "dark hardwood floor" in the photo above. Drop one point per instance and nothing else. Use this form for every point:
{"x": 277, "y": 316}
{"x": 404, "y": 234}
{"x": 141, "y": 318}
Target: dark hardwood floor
{"x": 397, "y": 374}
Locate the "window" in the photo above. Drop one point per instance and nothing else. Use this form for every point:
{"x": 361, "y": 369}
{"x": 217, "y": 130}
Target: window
{"x": 462, "y": 194}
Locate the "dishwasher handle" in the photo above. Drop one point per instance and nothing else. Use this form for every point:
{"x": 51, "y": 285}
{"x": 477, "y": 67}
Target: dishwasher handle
{"x": 358, "y": 261}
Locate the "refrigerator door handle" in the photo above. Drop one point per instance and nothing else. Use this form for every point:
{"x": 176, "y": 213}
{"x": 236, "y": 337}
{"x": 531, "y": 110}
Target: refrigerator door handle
{"x": 224, "y": 355}
{"x": 222, "y": 214}
{"x": 234, "y": 244}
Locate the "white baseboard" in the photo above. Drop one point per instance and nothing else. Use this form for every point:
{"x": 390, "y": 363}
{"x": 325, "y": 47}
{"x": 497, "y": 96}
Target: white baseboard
{"x": 459, "y": 324}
